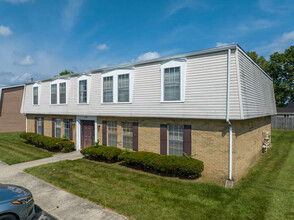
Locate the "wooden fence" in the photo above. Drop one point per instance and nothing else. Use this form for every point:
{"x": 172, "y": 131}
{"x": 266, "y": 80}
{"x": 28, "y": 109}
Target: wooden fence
{"x": 284, "y": 122}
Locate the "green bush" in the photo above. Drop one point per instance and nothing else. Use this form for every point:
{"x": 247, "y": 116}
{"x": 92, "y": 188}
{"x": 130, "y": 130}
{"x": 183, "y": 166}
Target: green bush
{"x": 165, "y": 164}
{"x": 106, "y": 153}
{"x": 49, "y": 143}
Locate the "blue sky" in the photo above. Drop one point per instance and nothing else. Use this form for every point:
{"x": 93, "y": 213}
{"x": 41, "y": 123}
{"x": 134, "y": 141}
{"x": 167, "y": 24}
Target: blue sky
{"x": 40, "y": 38}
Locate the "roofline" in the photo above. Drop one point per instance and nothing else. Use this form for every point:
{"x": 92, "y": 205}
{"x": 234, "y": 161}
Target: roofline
{"x": 248, "y": 57}
{"x": 132, "y": 65}
{"x": 8, "y": 87}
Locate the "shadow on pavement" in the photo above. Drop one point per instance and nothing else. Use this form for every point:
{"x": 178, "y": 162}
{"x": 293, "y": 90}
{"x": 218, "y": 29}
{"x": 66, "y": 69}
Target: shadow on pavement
{"x": 42, "y": 215}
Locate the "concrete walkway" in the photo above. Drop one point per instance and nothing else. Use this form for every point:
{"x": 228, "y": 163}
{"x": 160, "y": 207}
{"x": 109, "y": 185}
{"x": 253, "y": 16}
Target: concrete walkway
{"x": 55, "y": 201}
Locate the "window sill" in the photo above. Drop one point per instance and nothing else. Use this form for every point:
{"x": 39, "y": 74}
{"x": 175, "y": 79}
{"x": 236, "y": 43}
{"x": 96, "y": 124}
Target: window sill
{"x": 83, "y": 103}
{"x": 58, "y": 104}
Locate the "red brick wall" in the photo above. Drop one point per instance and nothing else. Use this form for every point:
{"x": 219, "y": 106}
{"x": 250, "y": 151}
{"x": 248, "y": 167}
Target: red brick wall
{"x": 10, "y": 118}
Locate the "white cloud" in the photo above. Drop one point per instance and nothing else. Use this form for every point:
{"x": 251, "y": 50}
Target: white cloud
{"x": 27, "y": 61}
{"x": 16, "y": 1}
{"x": 10, "y": 78}
{"x": 279, "y": 44}
{"x": 148, "y": 56}
{"x": 179, "y": 5}
{"x": 102, "y": 47}
{"x": 5, "y": 31}
{"x": 256, "y": 25}
{"x": 71, "y": 13}
{"x": 20, "y": 78}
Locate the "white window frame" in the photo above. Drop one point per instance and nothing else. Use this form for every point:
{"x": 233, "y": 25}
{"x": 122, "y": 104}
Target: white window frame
{"x": 172, "y": 64}
{"x": 115, "y": 74}
{"x": 39, "y": 93}
{"x": 88, "y": 78}
{"x": 58, "y": 81}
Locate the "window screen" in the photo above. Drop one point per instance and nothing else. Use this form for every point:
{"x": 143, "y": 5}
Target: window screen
{"x": 123, "y": 88}
{"x": 176, "y": 140}
{"x": 54, "y": 94}
{"x": 172, "y": 84}
{"x": 35, "y": 91}
{"x": 62, "y": 93}
{"x": 83, "y": 91}
{"x": 112, "y": 133}
{"x": 127, "y": 135}
{"x": 108, "y": 89}
{"x": 58, "y": 128}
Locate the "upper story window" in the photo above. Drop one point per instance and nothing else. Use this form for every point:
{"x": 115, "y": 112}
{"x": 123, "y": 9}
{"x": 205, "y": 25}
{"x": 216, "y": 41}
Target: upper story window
{"x": 108, "y": 89}
{"x": 117, "y": 86}
{"x": 172, "y": 84}
{"x": 53, "y": 93}
{"x": 123, "y": 91}
{"x": 173, "y": 81}
{"x": 35, "y": 95}
{"x": 58, "y": 92}
{"x": 62, "y": 93}
{"x": 83, "y": 90}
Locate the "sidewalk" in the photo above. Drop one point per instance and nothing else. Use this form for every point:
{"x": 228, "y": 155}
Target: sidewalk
{"x": 55, "y": 201}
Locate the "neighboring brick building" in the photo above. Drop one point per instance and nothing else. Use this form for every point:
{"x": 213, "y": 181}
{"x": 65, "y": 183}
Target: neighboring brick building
{"x": 214, "y": 103}
{"x": 11, "y": 119}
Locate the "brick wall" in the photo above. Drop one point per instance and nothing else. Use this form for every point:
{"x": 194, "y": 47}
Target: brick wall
{"x": 247, "y": 142}
{"x": 210, "y": 140}
{"x": 11, "y": 120}
{"x": 48, "y": 124}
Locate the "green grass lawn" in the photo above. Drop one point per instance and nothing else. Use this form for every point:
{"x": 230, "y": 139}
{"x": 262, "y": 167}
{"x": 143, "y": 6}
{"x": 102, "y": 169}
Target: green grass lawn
{"x": 14, "y": 150}
{"x": 266, "y": 193}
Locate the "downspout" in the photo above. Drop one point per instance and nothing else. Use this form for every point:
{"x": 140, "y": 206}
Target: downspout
{"x": 228, "y": 113}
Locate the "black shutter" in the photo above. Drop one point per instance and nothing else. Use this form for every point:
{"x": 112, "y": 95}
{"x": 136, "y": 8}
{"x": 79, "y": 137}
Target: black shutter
{"x": 53, "y": 127}
{"x": 104, "y": 133}
{"x": 70, "y": 129}
{"x": 163, "y": 139}
{"x": 187, "y": 139}
{"x": 135, "y": 136}
{"x": 36, "y": 125}
{"x": 42, "y": 126}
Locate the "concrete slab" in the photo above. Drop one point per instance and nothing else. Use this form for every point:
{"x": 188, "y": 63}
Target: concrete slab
{"x": 54, "y": 202}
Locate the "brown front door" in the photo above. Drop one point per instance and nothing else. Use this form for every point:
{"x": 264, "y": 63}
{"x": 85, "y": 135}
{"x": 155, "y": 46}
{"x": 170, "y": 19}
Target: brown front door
{"x": 87, "y": 133}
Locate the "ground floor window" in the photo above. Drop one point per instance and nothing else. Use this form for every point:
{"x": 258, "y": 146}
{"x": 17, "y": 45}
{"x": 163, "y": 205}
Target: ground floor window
{"x": 112, "y": 133}
{"x": 67, "y": 128}
{"x": 58, "y": 127}
{"x": 127, "y": 130}
{"x": 40, "y": 126}
{"x": 175, "y": 140}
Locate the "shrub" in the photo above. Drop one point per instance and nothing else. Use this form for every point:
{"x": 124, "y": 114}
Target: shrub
{"x": 184, "y": 167}
{"x": 106, "y": 153}
{"x": 49, "y": 143}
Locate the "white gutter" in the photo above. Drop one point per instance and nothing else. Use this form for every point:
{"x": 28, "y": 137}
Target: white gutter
{"x": 228, "y": 113}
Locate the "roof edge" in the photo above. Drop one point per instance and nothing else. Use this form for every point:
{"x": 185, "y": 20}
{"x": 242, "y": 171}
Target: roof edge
{"x": 131, "y": 65}
{"x": 246, "y": 55}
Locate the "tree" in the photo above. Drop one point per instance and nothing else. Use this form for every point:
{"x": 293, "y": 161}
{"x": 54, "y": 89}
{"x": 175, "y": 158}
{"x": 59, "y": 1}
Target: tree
{"x": 281, "y": 69}
{"x": 66, "y": 72}
{"x": 261, "y": 61}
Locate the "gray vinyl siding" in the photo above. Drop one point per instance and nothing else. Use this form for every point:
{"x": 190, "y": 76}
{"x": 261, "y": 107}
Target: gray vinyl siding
{"x": 257, "y": 90}
{"x": 205, "y": 92}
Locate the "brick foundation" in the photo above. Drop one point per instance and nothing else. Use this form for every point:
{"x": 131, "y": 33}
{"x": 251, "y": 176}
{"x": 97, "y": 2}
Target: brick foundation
{"x": 210, "y": 140}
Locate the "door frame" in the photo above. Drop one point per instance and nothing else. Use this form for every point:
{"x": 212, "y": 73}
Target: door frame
{"x": 79, "y": 129}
